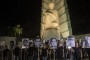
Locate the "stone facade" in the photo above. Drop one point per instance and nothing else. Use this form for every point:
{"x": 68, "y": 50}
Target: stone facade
{"x": 64, "y": 20}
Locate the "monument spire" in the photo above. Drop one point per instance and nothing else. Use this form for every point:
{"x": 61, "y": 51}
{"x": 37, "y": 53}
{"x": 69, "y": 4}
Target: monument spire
{"x": 48, "y": 17}
{"x": 51, "y": 23}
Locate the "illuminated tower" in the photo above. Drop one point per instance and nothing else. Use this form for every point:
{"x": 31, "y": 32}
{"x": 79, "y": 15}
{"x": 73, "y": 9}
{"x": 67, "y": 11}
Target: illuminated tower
{"x": 64, "y": 20}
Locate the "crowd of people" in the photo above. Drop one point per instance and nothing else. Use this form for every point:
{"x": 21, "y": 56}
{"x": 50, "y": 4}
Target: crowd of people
{"x": 46, "y": 52}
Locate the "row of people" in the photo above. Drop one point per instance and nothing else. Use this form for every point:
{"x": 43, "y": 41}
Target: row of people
{"x": 46, "y": 52}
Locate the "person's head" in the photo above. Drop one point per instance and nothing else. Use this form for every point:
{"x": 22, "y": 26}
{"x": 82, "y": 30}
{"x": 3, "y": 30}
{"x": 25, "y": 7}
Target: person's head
{"x": 30, "y": 44}
{"x": 60, "y": 44}
{"x": 35, "y": 46}
{"x": 51, "y": 5}
{"x": 17, "y": 45}
{"x": 77, "y": 45}
{"x": 64, "y": 43}
{"x": 6, "y": 47}
{"x": 44, "y": 45}
{"x": 25, "y": 42}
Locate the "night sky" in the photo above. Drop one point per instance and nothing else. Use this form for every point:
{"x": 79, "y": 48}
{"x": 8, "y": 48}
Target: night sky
{"x": 80, "y": 16}
{"x": 24, "y": 12}
{"x": 27, "y": 13}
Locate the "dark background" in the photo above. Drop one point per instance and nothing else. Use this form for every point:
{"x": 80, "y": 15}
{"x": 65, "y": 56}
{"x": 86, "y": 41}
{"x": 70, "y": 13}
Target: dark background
{"x": 80, "y": 16}
{"x": 24, "y": 12}
{"x": 27, "y": 13}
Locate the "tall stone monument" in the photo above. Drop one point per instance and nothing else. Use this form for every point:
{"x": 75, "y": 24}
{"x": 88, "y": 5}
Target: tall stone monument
{"x": 52, "y": 17}
{"x": 50, "y": 23}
